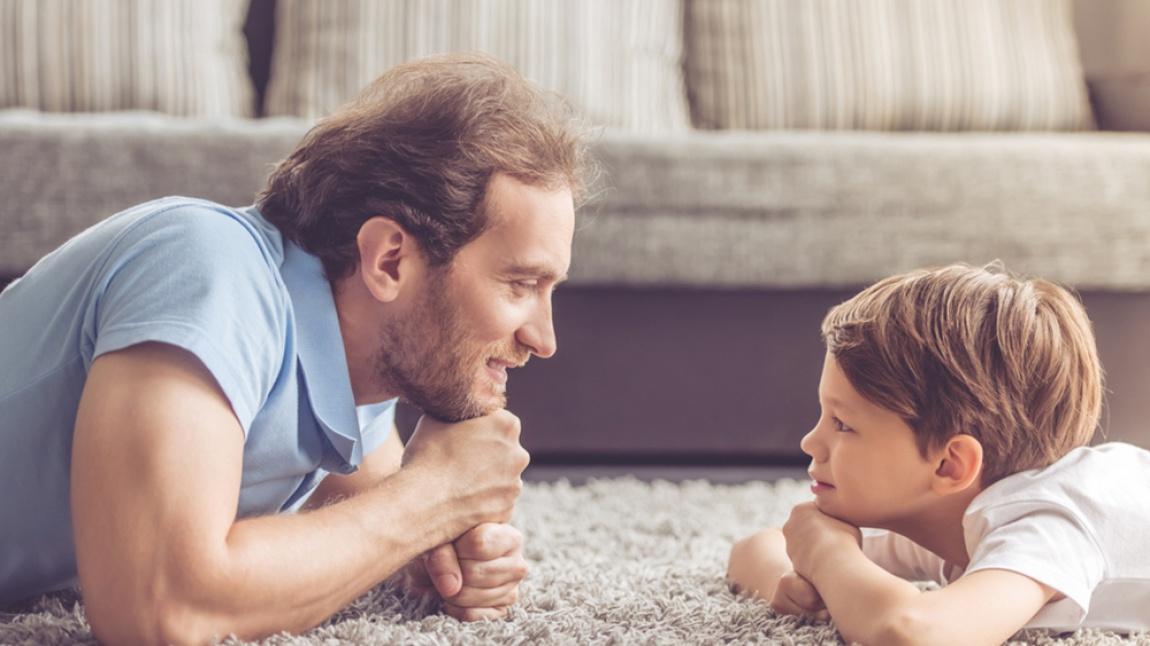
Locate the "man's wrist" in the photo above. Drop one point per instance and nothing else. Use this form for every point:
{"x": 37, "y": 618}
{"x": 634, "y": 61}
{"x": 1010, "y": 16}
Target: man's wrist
{"x": 418, "y": 495}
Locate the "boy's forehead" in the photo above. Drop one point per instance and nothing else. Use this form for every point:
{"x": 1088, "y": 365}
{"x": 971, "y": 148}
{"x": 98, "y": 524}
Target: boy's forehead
{"x": 834, "y": 387}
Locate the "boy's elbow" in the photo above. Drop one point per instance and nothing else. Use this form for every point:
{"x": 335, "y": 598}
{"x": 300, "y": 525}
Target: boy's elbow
{"x": 901, "y": 627}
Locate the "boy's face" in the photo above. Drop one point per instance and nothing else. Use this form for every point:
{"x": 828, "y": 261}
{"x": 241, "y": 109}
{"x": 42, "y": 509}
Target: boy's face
{"x": 865, "y": 466}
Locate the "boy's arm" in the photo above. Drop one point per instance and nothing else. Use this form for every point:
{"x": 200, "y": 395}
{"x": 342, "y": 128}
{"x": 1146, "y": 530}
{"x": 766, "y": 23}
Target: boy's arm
{"x": 871, "y": 606}
{"x": 758, "y": 562}
{"x": 759, "y": 567}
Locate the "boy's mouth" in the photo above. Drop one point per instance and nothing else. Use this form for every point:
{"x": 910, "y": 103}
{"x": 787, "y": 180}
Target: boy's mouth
{"x": 820, "y": 486}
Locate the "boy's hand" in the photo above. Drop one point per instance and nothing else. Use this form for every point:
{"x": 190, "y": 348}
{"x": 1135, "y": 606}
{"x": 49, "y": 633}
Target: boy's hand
{"x": 812, "y": 536}
{"x": 478, "y": 575}
{"x": 796, "y": 596}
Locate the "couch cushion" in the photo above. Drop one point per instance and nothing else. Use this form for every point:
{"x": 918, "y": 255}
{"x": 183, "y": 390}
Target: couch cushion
{"x": 619, "y": 63}
{"x": 184, "y": 57}
{"x": 62, "y": 172}
{"x": 801, "y": 209}
{"x": 885, "y": 65}
{"x": 697, "y": 210}
{"x": 1116, "y": 59}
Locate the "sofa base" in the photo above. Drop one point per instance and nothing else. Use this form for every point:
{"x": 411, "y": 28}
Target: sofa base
{"x": 697, "y": 377}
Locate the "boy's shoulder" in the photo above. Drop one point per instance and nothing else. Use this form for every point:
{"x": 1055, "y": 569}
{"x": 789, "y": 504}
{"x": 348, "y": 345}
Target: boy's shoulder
{"x": 1085, "y": 468}
{"x": 1087, "y": 484}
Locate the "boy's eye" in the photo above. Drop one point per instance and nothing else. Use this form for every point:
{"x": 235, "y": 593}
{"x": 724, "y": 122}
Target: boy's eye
{"x": 839, "y": 426}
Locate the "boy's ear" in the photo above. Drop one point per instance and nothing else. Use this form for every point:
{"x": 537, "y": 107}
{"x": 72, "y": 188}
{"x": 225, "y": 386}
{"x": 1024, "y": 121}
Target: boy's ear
{"x": 388, "y": 257}
{"x": 959, "y": 464}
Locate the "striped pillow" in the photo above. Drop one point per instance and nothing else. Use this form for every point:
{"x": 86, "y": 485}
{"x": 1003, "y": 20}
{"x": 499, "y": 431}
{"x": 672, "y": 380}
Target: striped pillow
{"x": 618, "y": 63}
{"x": 885, "y": 65}
{"x": 182, "y": 57}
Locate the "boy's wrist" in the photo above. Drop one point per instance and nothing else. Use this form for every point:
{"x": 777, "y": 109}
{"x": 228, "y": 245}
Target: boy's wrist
{"x": 830, "y": 558}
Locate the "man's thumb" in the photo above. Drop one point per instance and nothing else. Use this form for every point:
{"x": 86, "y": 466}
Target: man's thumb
{"x": 443, "y": 569}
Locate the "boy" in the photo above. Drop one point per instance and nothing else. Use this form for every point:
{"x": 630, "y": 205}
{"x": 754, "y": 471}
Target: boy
{"x": 956, "y": 406}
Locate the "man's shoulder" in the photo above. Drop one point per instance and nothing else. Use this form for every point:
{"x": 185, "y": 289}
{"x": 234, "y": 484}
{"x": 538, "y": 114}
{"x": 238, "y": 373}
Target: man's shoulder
{"x": 201, "y": 228}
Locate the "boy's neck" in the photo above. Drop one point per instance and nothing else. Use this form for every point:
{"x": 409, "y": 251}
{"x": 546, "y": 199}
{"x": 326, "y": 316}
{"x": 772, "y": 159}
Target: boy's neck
{"x": 939, "y": 529}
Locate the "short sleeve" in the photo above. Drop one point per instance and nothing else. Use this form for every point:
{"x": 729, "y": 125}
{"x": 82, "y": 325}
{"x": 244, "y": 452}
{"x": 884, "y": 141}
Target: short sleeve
{"x": 1047, "y": 544}
{"x": 901, "y": 556}
{"x": 202, "y": 280}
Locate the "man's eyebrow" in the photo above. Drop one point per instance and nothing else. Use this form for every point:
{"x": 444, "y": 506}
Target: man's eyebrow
{"x": 537, "y": 271}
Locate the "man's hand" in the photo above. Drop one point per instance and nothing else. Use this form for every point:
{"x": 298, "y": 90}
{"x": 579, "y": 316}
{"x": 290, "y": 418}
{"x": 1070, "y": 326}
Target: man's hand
{"x": 478, "y": 462}
{"x": 796, "y": 596}
{"x": 812, "y": 536}
{"x": 478, "y": 575}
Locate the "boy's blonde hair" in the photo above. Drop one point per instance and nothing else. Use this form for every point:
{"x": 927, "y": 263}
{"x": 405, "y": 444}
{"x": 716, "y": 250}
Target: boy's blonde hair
{"x": 963, "y": 349}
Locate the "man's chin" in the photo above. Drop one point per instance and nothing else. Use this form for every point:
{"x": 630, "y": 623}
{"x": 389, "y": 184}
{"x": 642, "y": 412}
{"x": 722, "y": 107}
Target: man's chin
{"x": 475, "y": 407}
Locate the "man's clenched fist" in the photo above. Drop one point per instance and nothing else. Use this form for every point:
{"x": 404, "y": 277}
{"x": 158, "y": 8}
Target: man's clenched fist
{"x": 478, "y": 575}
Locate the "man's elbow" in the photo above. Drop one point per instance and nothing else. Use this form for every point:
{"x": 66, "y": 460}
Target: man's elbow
{"x": 160, "y": 621}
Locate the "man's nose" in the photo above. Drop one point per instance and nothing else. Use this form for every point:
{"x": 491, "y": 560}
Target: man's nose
{"x": 538, "y": 334}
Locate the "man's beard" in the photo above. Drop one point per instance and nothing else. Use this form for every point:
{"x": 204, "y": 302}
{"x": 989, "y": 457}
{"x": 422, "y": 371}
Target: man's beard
{"x": 431, "y": 363}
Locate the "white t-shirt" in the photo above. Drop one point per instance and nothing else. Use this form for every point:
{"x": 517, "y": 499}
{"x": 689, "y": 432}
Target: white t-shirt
{"x": 1080, "y": 526}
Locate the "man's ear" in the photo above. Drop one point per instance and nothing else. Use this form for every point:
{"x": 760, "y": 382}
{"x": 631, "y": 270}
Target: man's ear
{"x": 959, "y": 464}
{"x": 388, "y": 257}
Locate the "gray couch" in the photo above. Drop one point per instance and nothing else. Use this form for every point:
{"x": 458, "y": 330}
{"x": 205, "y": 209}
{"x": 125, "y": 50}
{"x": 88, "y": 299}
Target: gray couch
{"x": 704, "y": 262}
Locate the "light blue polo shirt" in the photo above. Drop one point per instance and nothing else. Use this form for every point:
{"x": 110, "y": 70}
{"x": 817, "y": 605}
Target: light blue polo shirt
{"x": 219, "y": 282}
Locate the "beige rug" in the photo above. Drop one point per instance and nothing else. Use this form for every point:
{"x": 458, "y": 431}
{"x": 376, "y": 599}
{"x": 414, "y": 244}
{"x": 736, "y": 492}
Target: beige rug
{"x": 614, "y": 561}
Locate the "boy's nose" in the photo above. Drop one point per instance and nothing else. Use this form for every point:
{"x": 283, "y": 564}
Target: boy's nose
{"x": 812, "y": 446}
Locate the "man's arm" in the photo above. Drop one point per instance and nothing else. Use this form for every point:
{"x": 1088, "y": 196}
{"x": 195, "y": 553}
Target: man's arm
{"x": 377, "y": 465}
{"x": 484, "y": 566}
{"x": 156, "y": 474}
{"x": 871, "y": 606}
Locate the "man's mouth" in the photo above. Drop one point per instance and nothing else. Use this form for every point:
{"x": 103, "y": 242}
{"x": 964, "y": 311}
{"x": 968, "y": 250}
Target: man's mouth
{"x": 498, "y": 368}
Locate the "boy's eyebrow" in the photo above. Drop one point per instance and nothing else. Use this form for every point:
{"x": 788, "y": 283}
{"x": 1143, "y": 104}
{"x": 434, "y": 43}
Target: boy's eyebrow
{"x": 837, "y": 403}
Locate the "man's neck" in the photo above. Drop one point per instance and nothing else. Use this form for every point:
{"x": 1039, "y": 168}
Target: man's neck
{"x": 360, "y": 334}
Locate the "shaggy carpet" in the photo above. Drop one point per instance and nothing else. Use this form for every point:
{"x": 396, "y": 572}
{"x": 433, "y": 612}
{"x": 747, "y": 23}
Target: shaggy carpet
{"x": 613, "y": 561}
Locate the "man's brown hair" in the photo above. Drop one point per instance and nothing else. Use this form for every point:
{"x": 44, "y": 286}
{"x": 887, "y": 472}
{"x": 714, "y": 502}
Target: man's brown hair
{"x": 420, "y": 146}
{"x": 963, "y": 349}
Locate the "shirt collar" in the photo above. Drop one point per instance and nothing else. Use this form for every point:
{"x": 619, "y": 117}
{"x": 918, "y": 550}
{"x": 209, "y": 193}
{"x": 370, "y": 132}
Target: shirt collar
{"x": 319, "y": 344}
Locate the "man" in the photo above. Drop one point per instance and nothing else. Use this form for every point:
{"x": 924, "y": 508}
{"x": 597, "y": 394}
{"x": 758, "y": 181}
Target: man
{"x": 180, "y": 373}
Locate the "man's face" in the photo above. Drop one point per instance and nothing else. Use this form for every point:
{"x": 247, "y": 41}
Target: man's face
{"x": 866, "y": 468}
{"x": 487, "y": 311}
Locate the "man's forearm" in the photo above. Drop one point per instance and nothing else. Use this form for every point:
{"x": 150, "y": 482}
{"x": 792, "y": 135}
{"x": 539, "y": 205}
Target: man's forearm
{"x": 291, "y": 572}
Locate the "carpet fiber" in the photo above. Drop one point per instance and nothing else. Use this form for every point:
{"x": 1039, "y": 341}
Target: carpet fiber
{"x": 613, "y": 561}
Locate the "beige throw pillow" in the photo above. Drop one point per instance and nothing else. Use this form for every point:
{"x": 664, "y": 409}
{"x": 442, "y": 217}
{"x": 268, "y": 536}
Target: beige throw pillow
{"x": 182, "y": 57}
{"x": 885, "y": 65}
{"x": 618, "y": 62}
{"x": 1114, "y": 36}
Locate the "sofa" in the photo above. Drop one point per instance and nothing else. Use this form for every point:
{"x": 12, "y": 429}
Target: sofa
{"x": 709, "y": 249}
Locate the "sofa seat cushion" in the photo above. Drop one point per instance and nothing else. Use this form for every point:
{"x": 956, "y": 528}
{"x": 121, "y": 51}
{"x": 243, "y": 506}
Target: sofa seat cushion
{"x": 799, "y": 209}
{"x": 60, "y": 173}
{"x": 700, "y": 209}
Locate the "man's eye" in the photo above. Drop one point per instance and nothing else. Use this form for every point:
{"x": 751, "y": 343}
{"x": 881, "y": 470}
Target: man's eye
{"x": 521, "y": 287}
